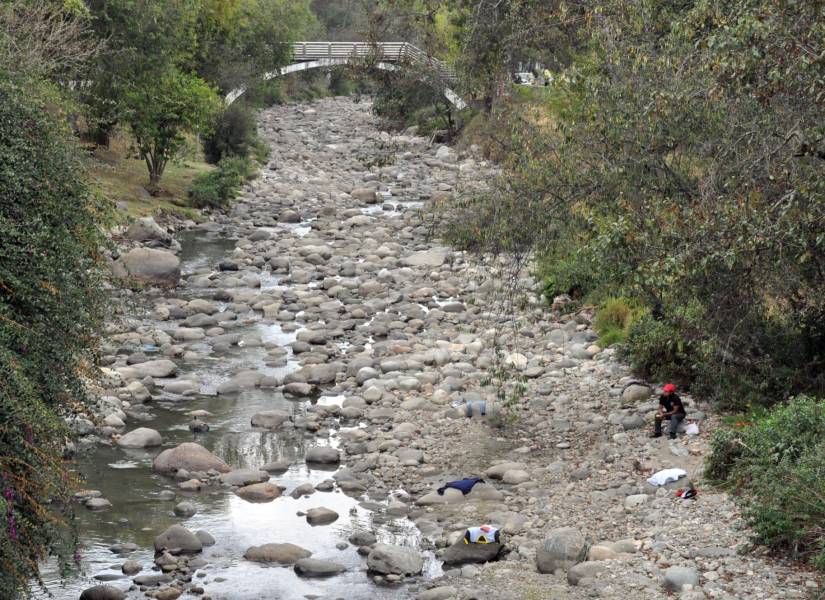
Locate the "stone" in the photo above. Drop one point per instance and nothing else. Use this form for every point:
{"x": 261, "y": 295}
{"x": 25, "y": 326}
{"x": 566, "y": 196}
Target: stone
{"x": 386, "y": 559}
{"x": 241, "y": 477}
{"x": 460, "y": 553}
{"x": 321, "y": 516}
{"x": 96, "y": 504}
{"x": 515, "y": 476}
{"x": 285, "y": 554}
{"x": 178, "y": 538}
{"x": 313, "y": 567}
{"x": 601, "y": 552}
{"x": 131, "y": 567}
{"x": 561, "y": 549}
{"x": 189, "y": 456}
{"x": 157, "y": 369}
{"x": 169, "y": 593}
{"x": 632, "y": 422}
{"x": 323, "y": 455}
{"x": 636, "y": 392}
{"x": 205, "y": 538}
{"x": 185, "y": 509}
{"x": 362, "y": 538}
{"x": 364, "y": 195}
{"x": 426, "y": 258}
{"x": 103, "y": 592}
{"x": 498, "y": 471}
{"x": 278, "y": 466}
{"x": 270, "y": 419}
{"x": 146, "y": 229}
{"x": 260, "y": 492}
{"x": 444, "y": 592}
{"x": 147, "y": 265}
{"x": 142, "y": 437}
{"x": 676, "y": 578}
{"x": 585, "y": 570}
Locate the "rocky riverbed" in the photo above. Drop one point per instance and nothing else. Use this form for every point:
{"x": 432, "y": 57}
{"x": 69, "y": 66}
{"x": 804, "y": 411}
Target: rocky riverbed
{"x": 289, "y": 389}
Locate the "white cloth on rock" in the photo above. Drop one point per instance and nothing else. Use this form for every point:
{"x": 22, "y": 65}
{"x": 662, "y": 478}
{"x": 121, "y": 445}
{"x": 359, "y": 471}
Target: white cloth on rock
{"x": 666, "y": 476}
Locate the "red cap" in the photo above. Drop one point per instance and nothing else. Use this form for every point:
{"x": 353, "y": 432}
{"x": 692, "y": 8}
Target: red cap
{"x": 669, "y": 388}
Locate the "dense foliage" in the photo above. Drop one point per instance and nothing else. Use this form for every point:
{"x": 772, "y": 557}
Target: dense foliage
{"x": 50, "y": 311}
{"x": 776, "y": 467}
{"x": 679, "y": 162}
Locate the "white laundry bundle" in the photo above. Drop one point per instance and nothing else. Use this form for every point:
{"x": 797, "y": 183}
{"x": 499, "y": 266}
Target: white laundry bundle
{"x": 666, "y": 476}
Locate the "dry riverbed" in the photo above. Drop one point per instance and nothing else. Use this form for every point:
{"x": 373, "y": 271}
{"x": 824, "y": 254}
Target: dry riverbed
{"x": 319, "y": 348}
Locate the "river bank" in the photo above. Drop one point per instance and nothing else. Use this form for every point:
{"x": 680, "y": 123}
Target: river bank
{"x": 320, "y": 309}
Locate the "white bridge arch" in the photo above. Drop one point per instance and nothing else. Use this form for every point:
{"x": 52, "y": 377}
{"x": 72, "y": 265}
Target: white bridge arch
{"x": 387, "y": 56}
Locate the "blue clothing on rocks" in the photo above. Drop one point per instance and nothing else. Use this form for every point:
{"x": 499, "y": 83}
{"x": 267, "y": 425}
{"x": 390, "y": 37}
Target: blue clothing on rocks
{"x": 464, "y": 485}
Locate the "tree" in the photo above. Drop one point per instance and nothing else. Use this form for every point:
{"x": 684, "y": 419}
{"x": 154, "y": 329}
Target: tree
{"x": 159, "y": 113}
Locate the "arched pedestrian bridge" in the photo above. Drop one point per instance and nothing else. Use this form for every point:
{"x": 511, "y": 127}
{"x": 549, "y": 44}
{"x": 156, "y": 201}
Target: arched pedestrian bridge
{"x": 387, "y": 56}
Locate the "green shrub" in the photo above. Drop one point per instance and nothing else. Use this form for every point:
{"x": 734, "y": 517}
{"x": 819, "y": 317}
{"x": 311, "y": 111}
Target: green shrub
{"x": 572, "y": 274}
{"x": 217, "y": 188}
{"x": 656, "y": 349}
{"x": 234, "y": 133}
{"x": 776, "y": 468}
{"x": 614, "y": 319}
{"x": 51, "y": 308}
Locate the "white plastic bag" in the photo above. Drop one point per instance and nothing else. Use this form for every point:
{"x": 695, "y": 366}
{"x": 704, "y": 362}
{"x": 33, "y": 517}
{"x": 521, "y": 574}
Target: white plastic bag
{"x": 692, "y": 429}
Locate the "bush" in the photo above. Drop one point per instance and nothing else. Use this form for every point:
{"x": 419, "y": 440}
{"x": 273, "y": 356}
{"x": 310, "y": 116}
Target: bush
{"x": 51, "y": 310}
{"x": 235, "y": 133}
{"x": 614, "y": 319}
{"x": 656, "y": 349}
{"x": 776, "y": 468}
{"x": 217, "y": 188}
{"x": 572, "y": 274}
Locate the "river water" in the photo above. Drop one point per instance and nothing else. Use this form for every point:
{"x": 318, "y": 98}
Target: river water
{"x": 138, "y": 513}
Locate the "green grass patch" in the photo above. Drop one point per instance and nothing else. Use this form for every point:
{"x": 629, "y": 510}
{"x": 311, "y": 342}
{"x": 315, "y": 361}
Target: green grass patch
{"x": 122, "y": 179}
{"x": 614, "y": 319}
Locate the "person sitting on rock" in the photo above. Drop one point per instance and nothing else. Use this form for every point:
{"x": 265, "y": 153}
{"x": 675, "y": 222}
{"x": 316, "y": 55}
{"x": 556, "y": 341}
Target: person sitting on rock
{"x": 670, "y": 409}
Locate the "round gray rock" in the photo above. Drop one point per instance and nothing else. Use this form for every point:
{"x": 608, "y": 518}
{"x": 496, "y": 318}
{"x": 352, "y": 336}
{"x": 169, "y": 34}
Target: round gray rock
{"x": 285, "y": 554}
{"x": 313, "y": 567}
{"x": 562, "y": 549}
{"x": 386, "y": 559}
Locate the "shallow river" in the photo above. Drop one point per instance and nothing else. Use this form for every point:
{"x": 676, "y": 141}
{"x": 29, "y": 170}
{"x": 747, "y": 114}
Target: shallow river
{"x": 126, "y": 479}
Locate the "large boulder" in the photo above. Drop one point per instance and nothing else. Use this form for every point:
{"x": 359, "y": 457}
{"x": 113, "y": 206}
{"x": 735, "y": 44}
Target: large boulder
{"x": 142, "y": 437}
{"x": 636, "y": 392}
{"x": 103, "y": 592}
{"x": 461, "y": 553}
{"x": 562, "y": 549}
{"x": 396, "y": 560}
{"x": 146, "y": 265}
{"x": 270, "y": 419}
{"x": 260, "y": 492}
{"x": 146, "y": 229}
{"x": 190, "y": 457}
{"x": 323, "y": 455}
{"x": 285, "y": 554}
{"x": 313, "y": 567}
{"x": 178, "y": 538}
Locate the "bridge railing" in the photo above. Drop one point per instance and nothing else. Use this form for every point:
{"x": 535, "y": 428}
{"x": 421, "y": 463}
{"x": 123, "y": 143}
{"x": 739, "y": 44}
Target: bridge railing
{"x": 384, "y": 51}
